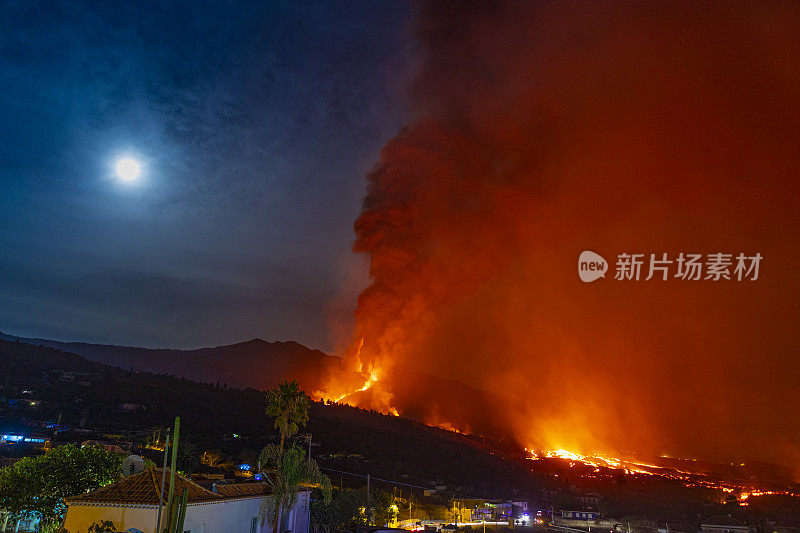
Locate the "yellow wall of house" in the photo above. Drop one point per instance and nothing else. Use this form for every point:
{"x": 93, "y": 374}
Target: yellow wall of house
{"x": 81, "y": 517}
{"x": 227, "y": 516}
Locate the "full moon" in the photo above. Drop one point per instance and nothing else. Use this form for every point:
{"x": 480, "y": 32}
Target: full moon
{"x": 127, "y": 169}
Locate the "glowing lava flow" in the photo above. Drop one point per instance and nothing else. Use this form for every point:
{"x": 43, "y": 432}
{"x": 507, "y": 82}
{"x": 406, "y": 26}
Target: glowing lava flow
{"x": 372, "y": 379}
{"x": 378, "y": 399}
{"x": 687, "y": 478}
{"x": 599, "y": 460}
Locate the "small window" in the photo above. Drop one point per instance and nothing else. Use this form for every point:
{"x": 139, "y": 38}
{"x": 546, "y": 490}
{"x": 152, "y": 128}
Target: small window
{"x": 254, "y": 524}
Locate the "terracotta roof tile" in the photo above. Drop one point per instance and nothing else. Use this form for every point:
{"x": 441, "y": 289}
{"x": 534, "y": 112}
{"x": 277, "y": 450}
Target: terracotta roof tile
{"x": 145, "y": 488}
{"x": 239, "y": 490}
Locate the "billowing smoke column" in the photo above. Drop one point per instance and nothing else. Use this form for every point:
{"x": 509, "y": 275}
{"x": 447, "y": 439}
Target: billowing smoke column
{"x": 542, "y": 129}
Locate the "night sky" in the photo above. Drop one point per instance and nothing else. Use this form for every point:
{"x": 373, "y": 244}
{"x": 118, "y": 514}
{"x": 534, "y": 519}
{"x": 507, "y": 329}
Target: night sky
{"x": 254, "y": 123}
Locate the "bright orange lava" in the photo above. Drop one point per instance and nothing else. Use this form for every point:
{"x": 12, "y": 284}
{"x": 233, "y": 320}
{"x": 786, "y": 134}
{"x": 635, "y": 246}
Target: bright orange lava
{"x": 381, "y": 399}
{"x": 687, "y": 478}
{"x": 373, "y": 377}
{"x": 599, "y": 461}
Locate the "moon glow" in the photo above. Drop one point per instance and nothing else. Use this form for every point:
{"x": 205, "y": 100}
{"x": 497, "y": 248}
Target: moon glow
{"x": 127, "y": 169}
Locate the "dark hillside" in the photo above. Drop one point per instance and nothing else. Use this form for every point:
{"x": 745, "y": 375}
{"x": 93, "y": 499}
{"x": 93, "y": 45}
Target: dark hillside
{"x": 260, "y": 364}
{"x": 255, "y": 363}
{"x": 350, "y": 439}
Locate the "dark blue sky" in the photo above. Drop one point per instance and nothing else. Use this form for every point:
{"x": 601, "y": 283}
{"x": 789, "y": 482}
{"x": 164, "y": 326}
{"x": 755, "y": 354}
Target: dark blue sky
{"x": 254, "y": 123}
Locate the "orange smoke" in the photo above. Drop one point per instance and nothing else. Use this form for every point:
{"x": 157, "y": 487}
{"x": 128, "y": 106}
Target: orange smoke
{"x": 542, "y": 129}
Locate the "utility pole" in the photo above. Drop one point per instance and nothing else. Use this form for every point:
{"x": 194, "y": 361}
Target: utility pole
{"x": 163, "y": 479}
{"x": 411, "y": 497}
{"x": 369, "y": 509}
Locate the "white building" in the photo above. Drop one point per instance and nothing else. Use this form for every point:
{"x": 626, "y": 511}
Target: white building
{"x": 132, "y": 505}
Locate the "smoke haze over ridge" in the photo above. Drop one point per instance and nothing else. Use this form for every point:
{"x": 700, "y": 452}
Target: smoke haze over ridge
{"x": 542, "y": 129}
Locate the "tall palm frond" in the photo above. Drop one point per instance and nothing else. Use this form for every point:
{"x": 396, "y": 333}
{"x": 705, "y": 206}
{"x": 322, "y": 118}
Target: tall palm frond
{"x": 288, "y": 472}
{"x": 289, "y": 405}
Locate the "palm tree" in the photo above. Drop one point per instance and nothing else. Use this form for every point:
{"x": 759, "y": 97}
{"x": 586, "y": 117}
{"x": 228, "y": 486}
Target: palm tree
{"x": 289, "y": 405}
{"x": 287, "y": 471}
{"x": 188, "y": 457}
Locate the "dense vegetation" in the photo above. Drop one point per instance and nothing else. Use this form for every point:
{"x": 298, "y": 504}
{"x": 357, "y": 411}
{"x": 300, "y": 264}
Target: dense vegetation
{"x": 38, "y": 485}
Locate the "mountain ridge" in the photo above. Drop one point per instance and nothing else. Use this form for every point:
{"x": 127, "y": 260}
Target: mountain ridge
{"x": 254, "y": 363}
{"x": 262, "y": 364}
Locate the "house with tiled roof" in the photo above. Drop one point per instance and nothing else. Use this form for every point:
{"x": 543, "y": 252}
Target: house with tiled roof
{"x": 132, "y": 504}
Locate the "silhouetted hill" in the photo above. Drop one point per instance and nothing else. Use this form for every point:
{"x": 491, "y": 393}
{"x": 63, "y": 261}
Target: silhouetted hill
{"x": 260, "y": 364}
{"x": 349, "y": 439}
{"x": 255, "y": 363}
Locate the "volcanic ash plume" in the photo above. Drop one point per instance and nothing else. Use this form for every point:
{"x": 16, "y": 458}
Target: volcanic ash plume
{"x": 542, "y": 129}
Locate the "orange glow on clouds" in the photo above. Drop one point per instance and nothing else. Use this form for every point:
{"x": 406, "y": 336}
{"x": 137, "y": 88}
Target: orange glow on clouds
{"x": 604, "y": 133}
